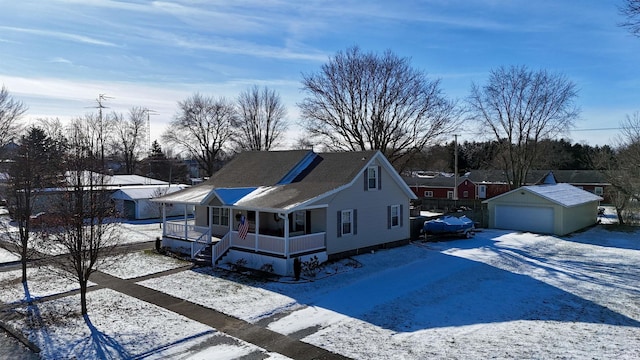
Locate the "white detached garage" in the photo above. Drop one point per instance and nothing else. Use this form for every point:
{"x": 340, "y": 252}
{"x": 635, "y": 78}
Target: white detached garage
{"x": 547, "y": 209}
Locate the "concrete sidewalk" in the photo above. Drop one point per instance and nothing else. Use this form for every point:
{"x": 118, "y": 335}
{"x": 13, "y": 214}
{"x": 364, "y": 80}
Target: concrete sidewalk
{"x": 251, "y": 333}
{"x": 254, "y": 334}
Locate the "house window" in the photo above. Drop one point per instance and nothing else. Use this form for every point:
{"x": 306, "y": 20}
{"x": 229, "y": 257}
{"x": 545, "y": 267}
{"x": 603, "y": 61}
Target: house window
{"x": 598, "y": 190}
{"x": 394, "y": 216}
{"x": 220, "y": 216}
{"x": 428, "y": 194}
{"x": 449, "y": 194}
{"x": 346, "y": 222}
{"x": 465, "y": 194}
{"x": 372, "y": 178}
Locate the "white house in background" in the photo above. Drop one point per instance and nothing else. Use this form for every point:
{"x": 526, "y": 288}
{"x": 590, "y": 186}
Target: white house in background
{"x": 548, "y": 208}
{"x": 133, "y": 202}
{"x": 298, "y": 204}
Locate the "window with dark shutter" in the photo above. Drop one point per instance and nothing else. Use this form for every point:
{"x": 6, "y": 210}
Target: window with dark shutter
{"x": 347, "y": 220}
{"x": 393, "y": 216}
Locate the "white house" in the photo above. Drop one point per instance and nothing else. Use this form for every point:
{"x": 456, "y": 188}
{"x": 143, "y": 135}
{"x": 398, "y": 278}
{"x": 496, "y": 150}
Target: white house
{"x": 548, "y": 208}
{"x": 298, "y": 204}
{"x": 133, "y": 202}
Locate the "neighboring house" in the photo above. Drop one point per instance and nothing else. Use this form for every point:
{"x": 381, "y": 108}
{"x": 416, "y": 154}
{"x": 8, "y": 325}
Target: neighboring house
{"x": 45, "y": 200}
{"x": 548, "y": 208}
{"x": 133, "y": 202}
{"x": 295, "y": 204}
{"x": 441, "y": 187}
{"x": 486, "y": 184}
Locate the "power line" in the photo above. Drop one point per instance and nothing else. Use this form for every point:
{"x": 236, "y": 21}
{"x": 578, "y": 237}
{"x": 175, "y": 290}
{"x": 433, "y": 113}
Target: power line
{"x": 598, "y": 129}
{"x": 472, "y": 132}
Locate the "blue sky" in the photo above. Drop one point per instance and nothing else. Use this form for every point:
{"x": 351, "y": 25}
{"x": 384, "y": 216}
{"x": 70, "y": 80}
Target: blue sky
{"x": 58, "y": 55}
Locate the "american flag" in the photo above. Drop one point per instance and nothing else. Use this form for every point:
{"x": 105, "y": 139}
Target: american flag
{"x": 243, "y": 229}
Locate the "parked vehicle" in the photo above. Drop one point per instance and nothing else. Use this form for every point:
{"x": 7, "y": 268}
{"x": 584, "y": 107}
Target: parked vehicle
{"x": 450, "y": 225}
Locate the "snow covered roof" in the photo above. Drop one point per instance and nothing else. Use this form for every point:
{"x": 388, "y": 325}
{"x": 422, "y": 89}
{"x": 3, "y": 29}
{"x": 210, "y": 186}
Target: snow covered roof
{"x": 113, "y": 180}
{"x": 127, "y": 180}
{"x": 193, "y": 195}
{"x": 562, "y": 194}
{"x": 145, "y": 192}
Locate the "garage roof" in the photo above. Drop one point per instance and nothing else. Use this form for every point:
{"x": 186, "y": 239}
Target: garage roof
{"x": 562, "y": 194}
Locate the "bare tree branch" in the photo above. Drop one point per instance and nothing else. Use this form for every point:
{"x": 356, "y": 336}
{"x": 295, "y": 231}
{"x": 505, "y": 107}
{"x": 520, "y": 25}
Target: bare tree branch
{"x": 128, "y": 136}
{"x": 631, "y": 11}
{"x": 261, "y": 118}
{"x": 520, "y": 108}
{"x": 10, "y": 112}
{"x": 362, "y": 101}
{"x": 204, "y": 127}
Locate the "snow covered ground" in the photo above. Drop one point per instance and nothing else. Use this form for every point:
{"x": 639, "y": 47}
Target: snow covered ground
{"x": 501, "y": 295}
{"x": 6, "y": 256}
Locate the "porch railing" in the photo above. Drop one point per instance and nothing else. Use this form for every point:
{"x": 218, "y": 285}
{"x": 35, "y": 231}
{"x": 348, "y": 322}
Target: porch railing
{"x": 304, "y": 243}
{"x": 200, "y": 243}
{"x": 187, "y": 231}
{"x": 200, "y": 237}
{"x": 220, "y": 248}
{"x": 276, "y": 245}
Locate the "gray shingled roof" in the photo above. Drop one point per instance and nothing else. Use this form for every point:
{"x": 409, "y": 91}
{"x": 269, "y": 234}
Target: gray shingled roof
{"x": 256, "y": 168}
{"x": 263, "y": 170}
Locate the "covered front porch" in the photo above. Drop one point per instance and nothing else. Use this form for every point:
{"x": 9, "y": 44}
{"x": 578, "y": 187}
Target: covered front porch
{"x": 274, "y": 235}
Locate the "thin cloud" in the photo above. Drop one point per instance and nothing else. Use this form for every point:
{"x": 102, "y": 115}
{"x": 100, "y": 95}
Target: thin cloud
{"x": 59, "y": 35}
{"x": 239, "y": 47}
{"x": 61, "y": 60}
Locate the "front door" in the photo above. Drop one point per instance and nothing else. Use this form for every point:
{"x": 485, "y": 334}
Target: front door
{"x": 482, "y": 191}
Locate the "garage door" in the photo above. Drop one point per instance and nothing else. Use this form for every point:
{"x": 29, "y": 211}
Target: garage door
{"x": 525, "y": 218}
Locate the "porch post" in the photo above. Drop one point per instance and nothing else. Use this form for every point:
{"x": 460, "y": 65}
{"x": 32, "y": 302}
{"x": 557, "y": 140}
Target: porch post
{"x": 186, "y": 231}
{"x": 257, "y": 226}
{"x": 210, "y": 211}
{"x": 164, "y": 219}
{"x": 286, "y": 236}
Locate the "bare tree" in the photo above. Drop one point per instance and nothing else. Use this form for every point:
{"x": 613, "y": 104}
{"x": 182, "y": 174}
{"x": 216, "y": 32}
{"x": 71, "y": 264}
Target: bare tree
{"x": 86, "y": 227}
{"x": 519, "y": 108}
{"x": 624, "y": 172}
{"x": 261, "y": 119}
{"x": 52, "y": 127}
{"x": 631, "y": 11}
{"x": 36, "y": 166}
{"x": 128, "y": 136}
{"x": 204, "y": 127}
{"x": 10, "y": 112}
{"x": 363, "y": 101}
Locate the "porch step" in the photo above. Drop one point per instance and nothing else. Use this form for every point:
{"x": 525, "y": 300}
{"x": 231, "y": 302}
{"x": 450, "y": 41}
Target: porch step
{"x": 203, "y": 257}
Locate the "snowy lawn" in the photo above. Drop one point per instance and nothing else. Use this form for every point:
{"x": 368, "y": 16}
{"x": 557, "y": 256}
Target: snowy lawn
{"x": 139, "y": 231}
{"x": 141, "y": 263}
{"x": 7, "y": 256}
{"x": 501, "y": 294}
{"x": 41, "y": 281}
{"x": 121, "y": 327}
{"x": 128, "y": 233}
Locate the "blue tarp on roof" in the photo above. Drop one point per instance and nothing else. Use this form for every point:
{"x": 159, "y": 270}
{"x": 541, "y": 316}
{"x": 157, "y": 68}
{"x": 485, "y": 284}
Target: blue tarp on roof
{"x": 231, "y": 195}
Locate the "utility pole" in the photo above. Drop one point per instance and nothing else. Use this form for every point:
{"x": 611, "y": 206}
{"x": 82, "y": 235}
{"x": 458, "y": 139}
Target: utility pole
{"x": 149, "y": 113}
{"x": 455, "y": 168}
{"x": 100, "y": 99}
